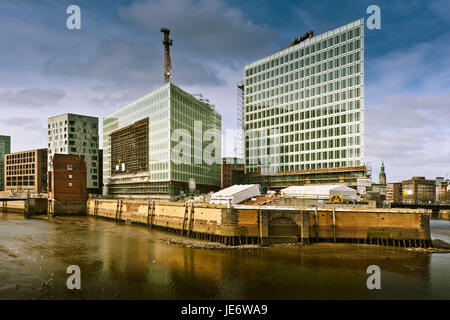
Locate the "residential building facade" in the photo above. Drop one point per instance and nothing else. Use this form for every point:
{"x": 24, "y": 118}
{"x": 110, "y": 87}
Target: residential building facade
{"x": 394, "y": 192}
{"x": 26, "y": 171}
{"x": 304, "y": 111}
{"x": 67, "y": 184}
{"x": 232, "y": 172}
{"x": 78, "y": 135}
{"x": 142, "y": 143}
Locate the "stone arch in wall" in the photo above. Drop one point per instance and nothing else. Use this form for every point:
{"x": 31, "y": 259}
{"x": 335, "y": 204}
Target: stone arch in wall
{"x": 284, "y": 226}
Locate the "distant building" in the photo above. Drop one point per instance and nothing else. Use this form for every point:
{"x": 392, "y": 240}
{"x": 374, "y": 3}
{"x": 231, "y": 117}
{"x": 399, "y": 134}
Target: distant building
{"x": 5, "y": 148}
{"x": 444, "y": 192}
{"x": 76, "y": 134}
{"x": 418, "y": 190}
{"x": 141, "y": 139}
{"x": 67, "y": 182}
{"x": 304, "y": 111}
{"x": 382, "y": 175}
{"x": 377, "y": 191}
{"x": 26, "y": 171}
{"x": 232, "y": 172}
{"x": 394, "y": 192}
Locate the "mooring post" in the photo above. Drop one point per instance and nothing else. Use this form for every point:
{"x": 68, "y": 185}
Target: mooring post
{"x": 316, "y": 223}
{"x": 152, "y": 215}
{"x": 260, "y": 227}
{"x": 191, "y": 216}
{"x": 148, "y": 213}
{"x": 186, "y": 208}
{"x": 117, "y": 208}
{"x": 334, "y": 224}
{"x": 26, "y": 208}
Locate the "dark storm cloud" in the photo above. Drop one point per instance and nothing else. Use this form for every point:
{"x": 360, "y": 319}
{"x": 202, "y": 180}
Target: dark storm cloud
{"x": 31, "y": 98}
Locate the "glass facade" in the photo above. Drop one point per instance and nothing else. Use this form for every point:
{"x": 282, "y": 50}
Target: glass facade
{"x": 167, "y": 108}
{"x": 5, "y": 148}
{"x": 306, "y": 102}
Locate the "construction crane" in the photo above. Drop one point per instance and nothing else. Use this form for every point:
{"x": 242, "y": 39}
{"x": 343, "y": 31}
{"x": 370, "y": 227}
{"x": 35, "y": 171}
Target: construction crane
{"x": 167, "y": 62}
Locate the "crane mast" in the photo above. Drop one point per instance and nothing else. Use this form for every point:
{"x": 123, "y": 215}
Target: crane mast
{"x": 167, "y": 42}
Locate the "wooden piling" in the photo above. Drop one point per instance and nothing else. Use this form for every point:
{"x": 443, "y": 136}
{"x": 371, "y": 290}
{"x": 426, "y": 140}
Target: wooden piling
{"x": 334, "y": 224}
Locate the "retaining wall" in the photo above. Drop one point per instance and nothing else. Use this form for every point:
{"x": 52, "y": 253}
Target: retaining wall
{"x": 250, "y": 224}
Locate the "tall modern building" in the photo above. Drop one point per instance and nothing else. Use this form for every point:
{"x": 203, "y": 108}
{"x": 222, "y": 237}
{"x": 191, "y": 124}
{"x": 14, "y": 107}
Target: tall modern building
{"x": 5, "y": 148}
{"x": 144, "y": 140}
{"x": 304, "y": 111}
{"x": 76, "y": 134}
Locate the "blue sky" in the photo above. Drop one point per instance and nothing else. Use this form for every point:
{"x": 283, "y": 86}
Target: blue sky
{"x": 117, "y": 56}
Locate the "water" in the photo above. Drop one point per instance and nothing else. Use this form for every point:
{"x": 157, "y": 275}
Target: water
{"x": 124, "y": 262}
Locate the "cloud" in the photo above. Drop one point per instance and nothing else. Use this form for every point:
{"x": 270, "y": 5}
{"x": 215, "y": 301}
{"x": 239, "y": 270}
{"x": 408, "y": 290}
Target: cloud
{"x": 206, "y": 27}
{"x": 28, "y": 123}
{"x": 32, "y": 98}
{"x": 411, "y": 134}
{"x": 131, "y": 63}
{"x": 441, "y": 8}
{"x": 413, "y": 111}
{"x": 420, "y": 67}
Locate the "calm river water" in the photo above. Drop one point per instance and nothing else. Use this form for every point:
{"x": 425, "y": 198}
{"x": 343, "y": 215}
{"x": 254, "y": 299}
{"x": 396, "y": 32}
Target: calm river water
{"x": 129, "y": 262}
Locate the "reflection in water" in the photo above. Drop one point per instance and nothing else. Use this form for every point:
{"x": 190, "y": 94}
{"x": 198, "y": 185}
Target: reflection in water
{"x": 121, "y": 261}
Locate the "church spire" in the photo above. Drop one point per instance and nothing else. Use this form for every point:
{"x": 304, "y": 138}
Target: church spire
{"x": 382, "y": 176}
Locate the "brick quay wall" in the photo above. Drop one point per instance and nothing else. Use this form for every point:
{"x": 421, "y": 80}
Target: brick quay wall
{"x": 264, "y": 225}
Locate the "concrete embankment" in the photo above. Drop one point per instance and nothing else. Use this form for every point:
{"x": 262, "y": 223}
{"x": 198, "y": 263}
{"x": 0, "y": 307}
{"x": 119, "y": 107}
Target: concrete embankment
{"x": 243, "y": 225}
{"x": 29, "y": 207}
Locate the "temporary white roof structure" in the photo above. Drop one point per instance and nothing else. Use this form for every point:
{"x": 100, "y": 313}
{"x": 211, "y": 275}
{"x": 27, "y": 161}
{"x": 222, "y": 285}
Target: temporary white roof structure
{"x": 235, "y": 194}
{"x": 320, "y": 191}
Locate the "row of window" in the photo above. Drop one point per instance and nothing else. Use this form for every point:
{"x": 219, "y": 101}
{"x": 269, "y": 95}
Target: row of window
{"x": 295, "y": 107}
{"x": 277, "y": 94}
{"x": 71, "y": 123}
{"x": 301, "y": 118}
{"x": 255, "y": 159}
{"x": 11, "y": 161}
{"x": 151, "y": 103}
{"x": 285, "y": 147}
{"x": 297, "y": 71}
{"x": 307, "y": 166}
{"x": 20, "y": 181}
{"x": 300, "y": 90}
{"x": 320, "y": 45}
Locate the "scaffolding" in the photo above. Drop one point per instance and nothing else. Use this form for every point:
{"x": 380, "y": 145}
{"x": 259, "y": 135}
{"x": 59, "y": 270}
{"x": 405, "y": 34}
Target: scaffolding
{"x": 239, "y": 145}
{"x": 129, "y": 149}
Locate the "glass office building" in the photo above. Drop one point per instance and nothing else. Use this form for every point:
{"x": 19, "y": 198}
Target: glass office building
{"x": 5, "y": 148}
{"x": 139, "y": 140}
{"x": 304, "y": 111}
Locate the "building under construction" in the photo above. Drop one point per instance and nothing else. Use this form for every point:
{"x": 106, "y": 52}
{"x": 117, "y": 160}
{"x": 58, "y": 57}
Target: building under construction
{"x": 165, "y": 144}
{"x": 141, "y": 139}
{"x": 303, "y": 111}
